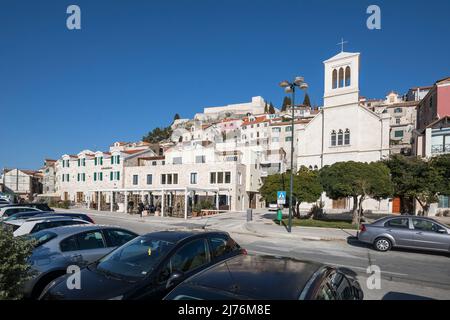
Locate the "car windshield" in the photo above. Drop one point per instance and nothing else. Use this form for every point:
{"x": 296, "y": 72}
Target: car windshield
{"x": 136, "y": 258}
{"x": 41, "y": 237}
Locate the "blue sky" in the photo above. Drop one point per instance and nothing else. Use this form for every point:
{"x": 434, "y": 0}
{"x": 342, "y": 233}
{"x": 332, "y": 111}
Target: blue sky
{"x": 134, "y": 64}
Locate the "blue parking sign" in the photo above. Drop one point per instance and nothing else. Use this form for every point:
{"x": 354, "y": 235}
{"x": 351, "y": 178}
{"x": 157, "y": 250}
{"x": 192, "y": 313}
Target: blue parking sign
{"x": 281, "y": 197}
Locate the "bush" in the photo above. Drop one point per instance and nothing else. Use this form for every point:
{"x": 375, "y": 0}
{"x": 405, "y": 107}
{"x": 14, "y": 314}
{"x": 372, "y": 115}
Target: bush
{"x": 14, "y": 267}
{"x": 203, "y": 205}
{"x": 60, "y": 204}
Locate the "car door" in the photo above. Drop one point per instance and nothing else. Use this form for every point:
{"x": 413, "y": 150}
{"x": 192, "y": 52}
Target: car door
{"x": 399, "y": 229}
{"x": 188, "y": 259}
{"x": 84, "y": 248}
{"x": 427, "y": 236}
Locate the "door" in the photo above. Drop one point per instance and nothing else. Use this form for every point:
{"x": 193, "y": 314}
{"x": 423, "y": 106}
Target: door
{"x": 400, "y": 230}
{"x": 427, "y": 236}
{"x": 396, "y": 205}
{"x": 84, "y": 248}
{"x": 340, "y": 203}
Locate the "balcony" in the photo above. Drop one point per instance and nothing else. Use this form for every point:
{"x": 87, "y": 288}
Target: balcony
{"x": 440, "y": 148}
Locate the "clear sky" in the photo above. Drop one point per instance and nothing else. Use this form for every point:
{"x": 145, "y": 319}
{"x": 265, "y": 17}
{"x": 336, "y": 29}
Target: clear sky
{"x": 136, "y": 63}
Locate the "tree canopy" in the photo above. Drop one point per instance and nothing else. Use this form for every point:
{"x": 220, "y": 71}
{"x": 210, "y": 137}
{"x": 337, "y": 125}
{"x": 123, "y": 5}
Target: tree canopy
{"x": 157, "y": 135}
{"x": 286, "y": 103}
{"x": 271, "y": 109}
{"x": 307, "y": 101}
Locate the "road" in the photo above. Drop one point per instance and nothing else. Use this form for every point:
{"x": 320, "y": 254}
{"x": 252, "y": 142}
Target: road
{"x": 404, "y": 274}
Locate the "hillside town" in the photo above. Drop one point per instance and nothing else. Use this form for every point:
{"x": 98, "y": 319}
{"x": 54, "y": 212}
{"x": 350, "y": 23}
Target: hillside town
{"x": 223, "y": 155}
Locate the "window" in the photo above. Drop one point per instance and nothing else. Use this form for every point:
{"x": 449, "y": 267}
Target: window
{"x": 200, "y": 159}
{"x": 340, "y": 138}
{"x": 334, "y": 80}
{"x": 288, "y": 139}
{"x": 118, "y": 175}
{"x": 84, "y": 176}
{"x": 78, "y": 177}
{"x": 95, "y": 176}
{"x": 222, "y": 245}
{"x": 153, "y": 163}
{"x": 347, "y": 137}
{"x": 288, "y": 129}
{"x": 398, "y": 110}
{"x": 333, "y": 138}
{"x": 90, "y": 240}
{"x": 212, "y": 178}
{"x": 163, "y": 179}
{"x": 341, "y": 78}
{"x": 101, "y": 176}
{"x": 443, "y": 202}
{"x": 397, "y": 121}
{"x": 79, "y": 162}
{"x": 276, "y": 129}
{"x": 193, "y": 179}
{"x": 111, "y": 176}
{"x": 169, "y": 179}
{"x": 135, "y": 179}
{"x": 425, "y": 225}
{"x": 175, "y": 178}
{"x": 219, "y": 177}
{"x": 149, "y": 179}
{"x": 347, "y": 77}
{"x": 69, "y": 244}
{"x": 398, "y": 134}
{"x": 190, "y": 257}
{"x": 228, "y": 177}
{"x": 399, "y": 223}
{"x": 177, "y": 160}
{"x": 116, "y": 237}
{"x": 275, "y": 139}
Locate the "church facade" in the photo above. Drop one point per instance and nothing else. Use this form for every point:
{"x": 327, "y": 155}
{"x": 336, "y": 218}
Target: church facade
{"x": 343, "y": 130}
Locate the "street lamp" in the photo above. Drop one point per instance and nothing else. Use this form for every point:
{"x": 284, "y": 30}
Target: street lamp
{"x": 289, "y": 87}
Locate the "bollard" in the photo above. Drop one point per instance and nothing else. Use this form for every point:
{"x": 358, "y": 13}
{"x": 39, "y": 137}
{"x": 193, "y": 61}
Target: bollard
{"x": 249, "y": 215}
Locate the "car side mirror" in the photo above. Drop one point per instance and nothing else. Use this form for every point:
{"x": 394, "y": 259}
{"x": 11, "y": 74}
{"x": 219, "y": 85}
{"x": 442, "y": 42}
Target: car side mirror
{"x": 175, "y": 278}
{"x": 443, "y": 231}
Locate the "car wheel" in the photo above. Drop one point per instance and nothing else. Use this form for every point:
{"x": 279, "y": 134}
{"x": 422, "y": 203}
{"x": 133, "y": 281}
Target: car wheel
{"x": 382, "y": 244}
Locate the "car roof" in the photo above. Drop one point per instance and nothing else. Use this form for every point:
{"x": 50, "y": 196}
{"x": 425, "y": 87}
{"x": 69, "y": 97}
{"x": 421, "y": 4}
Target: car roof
{"x": 258, "y": 277}
{"x": 18, "y": 207}
{"x": 176, "y": 236}
{"x": 46, "y": 218}
{"x": 77, "y": 228}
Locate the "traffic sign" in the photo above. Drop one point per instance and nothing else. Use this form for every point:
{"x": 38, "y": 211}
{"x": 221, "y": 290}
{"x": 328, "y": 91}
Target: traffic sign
{"x": 281, "y": 197}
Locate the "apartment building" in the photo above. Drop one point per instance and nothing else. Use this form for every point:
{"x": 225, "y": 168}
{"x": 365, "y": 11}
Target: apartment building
{"x": 25, "y": 184}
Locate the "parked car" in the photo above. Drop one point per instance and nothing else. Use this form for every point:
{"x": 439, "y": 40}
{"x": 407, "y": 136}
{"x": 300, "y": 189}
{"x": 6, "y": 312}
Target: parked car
{"x": 40, "y": 206}
{"x": 60, "y": 247}
{"x": 273, "y": 206}
{"x": 148, "y": 267}
{"x": 4, "y": 202}
{"x": 10, "y": 210}
{"x": 40, "y": 214}
{"x": 32, "y": 225}
{"x": 268, "y": 278}
{"x": 406, "y": 232}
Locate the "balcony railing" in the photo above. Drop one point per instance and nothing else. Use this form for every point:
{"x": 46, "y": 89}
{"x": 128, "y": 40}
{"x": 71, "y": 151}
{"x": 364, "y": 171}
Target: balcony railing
{"x": 440, "y": 148}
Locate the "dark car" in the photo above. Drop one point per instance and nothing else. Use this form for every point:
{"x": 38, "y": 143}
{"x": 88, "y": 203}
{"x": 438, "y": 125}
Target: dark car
{"x": 268, "y": 278}
{"x": 148, "y": 267}
{"x": 38, "y": 214}
{"x": 40, "y": 206}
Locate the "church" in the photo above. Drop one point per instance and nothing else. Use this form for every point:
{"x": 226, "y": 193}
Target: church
{"x": 343, "y": 130}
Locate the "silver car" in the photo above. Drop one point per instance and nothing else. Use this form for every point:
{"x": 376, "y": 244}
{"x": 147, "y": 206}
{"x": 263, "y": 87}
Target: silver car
{"x": 406, "y": 232}
{"x": 60, "y": 247}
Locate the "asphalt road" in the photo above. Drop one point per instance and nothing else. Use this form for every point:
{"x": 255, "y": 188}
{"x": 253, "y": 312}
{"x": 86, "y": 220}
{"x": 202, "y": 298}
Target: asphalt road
{"x": 404, "y": 274}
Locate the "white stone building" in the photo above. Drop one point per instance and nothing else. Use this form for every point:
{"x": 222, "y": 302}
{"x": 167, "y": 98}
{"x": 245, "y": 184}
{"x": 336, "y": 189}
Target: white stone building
{"x": 343, "y": 130}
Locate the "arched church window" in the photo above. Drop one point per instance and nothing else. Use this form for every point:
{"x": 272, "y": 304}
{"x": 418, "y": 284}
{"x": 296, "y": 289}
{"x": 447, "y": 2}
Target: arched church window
{"x": 310, "y": 167}
{"x": 316, "y": 168}
{"x": 340, "y": 138}
{"x": 341, "y": 78}
{"x": 334, "y": 83}
{"x": 347, "y": 137}
{"x": 333, "y": 138}
{"x": 347, "y": 77}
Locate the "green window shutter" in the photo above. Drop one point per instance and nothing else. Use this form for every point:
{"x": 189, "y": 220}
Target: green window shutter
{"x": 78, "y": 177}
{"x": 78, "y": 162}
{"x": 101, "y": 161}
{"x": 112, "y": 159}
{"x": 95, "y": 161}
{"x": 68, "y": 178}
{"x": 118, "y": 159}
{"x": 62, "y": 178}
{"x": 95, "y": 176}
{"x": 111, "y": 176}
{"x": 101, "y": 176}
{"x": 118, "y": 175}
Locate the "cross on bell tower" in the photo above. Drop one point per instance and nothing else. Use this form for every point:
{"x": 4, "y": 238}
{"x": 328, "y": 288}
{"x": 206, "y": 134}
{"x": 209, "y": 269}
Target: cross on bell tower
{"x": 342, "y": 44}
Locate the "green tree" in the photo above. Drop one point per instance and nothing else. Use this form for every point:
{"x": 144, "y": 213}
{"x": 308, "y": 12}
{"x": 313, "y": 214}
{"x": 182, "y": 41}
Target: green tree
{"x": 176, "y": 117}
{"x": 306, "y": 187}
{"x": 418, "y": 179}
{"x": 357, "y": 180}
{"x": 271, "y": 108}
{"x": 286, "y": 103}
{"x": 157, "y": 135}
{"x": 307, "y": 101}
{"x": 14, "y": 267}
{"x": 266, "y": 108}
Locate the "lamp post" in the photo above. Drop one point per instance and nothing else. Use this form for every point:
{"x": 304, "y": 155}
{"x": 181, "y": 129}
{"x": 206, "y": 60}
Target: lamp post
{"x": 289, "y": 87}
